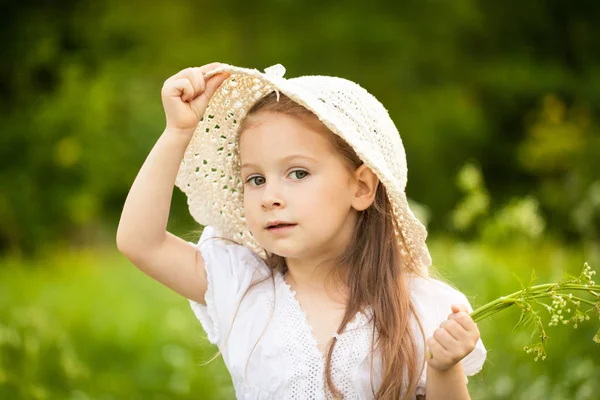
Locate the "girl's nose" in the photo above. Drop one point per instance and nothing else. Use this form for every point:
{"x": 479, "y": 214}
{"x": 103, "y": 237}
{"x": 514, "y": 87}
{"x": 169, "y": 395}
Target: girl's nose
{"x": 271, "y": 197}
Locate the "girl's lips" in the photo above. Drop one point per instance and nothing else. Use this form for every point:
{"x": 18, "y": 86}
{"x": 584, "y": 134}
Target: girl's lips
{"x": 281, "y": 228}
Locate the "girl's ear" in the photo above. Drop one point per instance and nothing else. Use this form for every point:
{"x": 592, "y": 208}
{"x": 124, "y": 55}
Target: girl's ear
{"x": 366, "y": 188}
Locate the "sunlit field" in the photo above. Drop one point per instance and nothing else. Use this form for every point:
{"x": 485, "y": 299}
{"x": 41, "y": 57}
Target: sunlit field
{"x": 91, "y": 326}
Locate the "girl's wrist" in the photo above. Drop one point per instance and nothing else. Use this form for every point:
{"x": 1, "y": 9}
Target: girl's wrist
{"x": 183, "y": 134}
{"x": 447, "y": 384}
{"x": 455, "y": 369}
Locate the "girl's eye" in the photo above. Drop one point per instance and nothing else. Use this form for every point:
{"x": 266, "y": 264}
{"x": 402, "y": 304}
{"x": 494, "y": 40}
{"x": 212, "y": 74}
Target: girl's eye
{"x": 300, "y": 174}
{"x": 256, "y": 180}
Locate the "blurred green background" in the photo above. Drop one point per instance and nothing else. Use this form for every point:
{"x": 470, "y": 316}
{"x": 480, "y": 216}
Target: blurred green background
{"x": 497, "y": 104}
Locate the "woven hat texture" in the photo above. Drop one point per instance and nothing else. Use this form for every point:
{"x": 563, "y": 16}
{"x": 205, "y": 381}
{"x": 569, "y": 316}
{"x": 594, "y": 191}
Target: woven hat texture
{"x": 210, "y": 171}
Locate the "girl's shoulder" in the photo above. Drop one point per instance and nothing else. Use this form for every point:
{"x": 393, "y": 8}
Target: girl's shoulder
{"x": 432, "y": 295}
{"x": 231, "y": 269}
{"x": 213, "y": 245}
{"x": 418, "y": 285}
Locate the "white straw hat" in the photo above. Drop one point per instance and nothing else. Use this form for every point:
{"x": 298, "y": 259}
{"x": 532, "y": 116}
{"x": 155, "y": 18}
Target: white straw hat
{"x": 210, "y": 171}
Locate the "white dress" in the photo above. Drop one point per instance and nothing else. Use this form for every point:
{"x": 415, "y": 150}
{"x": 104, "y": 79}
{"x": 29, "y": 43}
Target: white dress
{"x": 286, "y": 362}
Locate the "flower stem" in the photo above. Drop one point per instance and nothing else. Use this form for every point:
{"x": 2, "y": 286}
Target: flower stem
{"x": 547, "y": 290}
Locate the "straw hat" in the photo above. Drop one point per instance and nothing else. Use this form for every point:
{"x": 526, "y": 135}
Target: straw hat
{"x": 210, "y": 171}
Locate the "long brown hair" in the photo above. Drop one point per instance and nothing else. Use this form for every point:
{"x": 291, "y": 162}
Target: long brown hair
{"x": 375, "y": 268}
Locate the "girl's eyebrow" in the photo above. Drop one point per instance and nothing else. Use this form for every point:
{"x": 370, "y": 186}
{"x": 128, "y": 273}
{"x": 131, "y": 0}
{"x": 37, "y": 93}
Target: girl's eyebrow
{"x": 285, "y": 159}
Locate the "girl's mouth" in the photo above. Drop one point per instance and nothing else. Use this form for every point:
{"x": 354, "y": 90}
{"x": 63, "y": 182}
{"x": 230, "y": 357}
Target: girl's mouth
{"x": 280, "y": 228}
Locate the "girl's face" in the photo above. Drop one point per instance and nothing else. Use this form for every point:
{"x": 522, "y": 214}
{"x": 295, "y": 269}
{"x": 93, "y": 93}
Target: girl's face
{"x": 293, "y": 174}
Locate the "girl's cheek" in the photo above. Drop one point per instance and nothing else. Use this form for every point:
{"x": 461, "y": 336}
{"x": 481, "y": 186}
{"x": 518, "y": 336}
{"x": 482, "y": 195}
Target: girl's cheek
{"x": 249, "y": 199}
{"x": 304, "y": 197}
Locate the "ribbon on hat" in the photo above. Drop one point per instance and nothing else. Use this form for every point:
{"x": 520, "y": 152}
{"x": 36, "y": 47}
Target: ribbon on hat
{"x": 275, "y": 71}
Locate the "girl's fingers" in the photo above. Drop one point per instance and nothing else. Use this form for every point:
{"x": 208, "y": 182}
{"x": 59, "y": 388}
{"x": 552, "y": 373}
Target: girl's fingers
{"x": 208, "y": 86}
{"x": 196, "y": 76}
{"x": 464, "y": 319}
{"x": 185, "y": 95}
{"x": 436, "y": 351}
{"x": 200, "y": 71}
{"x": 212, "y": 84}
{"x": 197, "y": 79}
{"x": 454, "y": 339}
{"x": 179, "y": 88}
{"x": 209, "y": 67}
{"x": 184, "y": 73}
{"x": 459, "y": 307}
{"x": 447, "y": 341}
{"x": 455, "y": 329}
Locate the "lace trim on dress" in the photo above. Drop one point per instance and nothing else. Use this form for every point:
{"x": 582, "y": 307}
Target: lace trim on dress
{"x": 306, "y": 364}
{"x": 352, "y": 347}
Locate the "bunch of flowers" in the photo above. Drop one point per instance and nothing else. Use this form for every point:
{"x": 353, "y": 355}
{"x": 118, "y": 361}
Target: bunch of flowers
{"x": 572, "y": 298}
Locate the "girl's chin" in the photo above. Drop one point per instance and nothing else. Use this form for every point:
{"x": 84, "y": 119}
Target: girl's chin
{"x": 285, "y": 251}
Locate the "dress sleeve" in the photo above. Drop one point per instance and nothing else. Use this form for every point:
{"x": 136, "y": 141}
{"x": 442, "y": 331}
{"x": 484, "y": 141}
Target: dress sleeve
{"x": 229, "y": 271}
{"x": 432, "y": 300}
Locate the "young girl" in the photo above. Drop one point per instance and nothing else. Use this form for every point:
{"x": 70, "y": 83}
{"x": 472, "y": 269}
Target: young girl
{"x": 311, "y": 275}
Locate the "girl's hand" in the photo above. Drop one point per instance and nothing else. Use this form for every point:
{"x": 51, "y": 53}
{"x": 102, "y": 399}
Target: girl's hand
{"x": 453, "y": 340}
{"x": 185, "y": 96}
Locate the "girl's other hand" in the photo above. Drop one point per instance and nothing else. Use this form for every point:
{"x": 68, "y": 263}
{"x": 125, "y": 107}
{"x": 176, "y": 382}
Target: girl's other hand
{"x": 185, "y": 96}
{"x": 453, "y": 340}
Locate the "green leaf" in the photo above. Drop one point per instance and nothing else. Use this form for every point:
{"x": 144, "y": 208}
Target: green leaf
{"x": 518, "y": 279}
{"x": 533, "y": 278}
{"x": 568, "y": 278}
{"x": 521, "y": 319}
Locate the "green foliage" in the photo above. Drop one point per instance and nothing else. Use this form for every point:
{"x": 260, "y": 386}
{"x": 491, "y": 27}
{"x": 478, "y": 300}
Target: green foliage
{"x": 560, "y": 149}
{"x": 90, "y": 326}
{"x": 519, "y": 219}
{"x": 569, "y": 295}
{"x": 494, "y": 82}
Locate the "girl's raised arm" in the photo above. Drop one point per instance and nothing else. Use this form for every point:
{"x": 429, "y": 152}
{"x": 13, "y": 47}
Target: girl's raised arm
{"x": 142, "y": 234}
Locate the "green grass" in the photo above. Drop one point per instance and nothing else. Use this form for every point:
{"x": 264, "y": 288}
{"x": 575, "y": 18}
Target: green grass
{"x": 91, "y": 326}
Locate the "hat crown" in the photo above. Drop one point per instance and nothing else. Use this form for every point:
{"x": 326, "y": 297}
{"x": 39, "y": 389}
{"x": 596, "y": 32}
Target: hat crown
{"x": 354, "y": 110}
